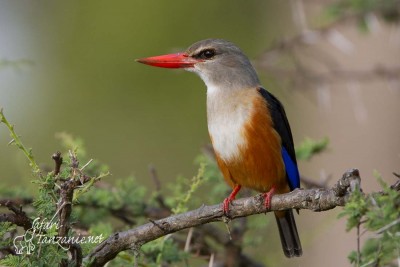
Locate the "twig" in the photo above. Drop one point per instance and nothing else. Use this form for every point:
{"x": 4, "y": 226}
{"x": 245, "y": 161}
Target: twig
{"x": 18, "y": 216}
{"x": 384, "y": 228}
{"x": 76, "y": 252}
{"x": 64, "y": 207}
{"x": 311, "y": 35}
{"x": 87, "y": 164}
{"x": 159, "y": 198}
{"x": 17, "y": 201}
{"x": 17, "y": 141}
{"x": 336, "y": 75}
{"x": 74, "y": 160}
{"x": 358, "y": 245}
{"x": 211, "y": 262}
{"x": 58, "y": 160}
{"x": 188, "y": 240}
{"x": 154, "y": 177}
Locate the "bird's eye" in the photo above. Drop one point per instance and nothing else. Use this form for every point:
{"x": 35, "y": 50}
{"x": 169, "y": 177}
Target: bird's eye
{"x": 206, "y": 54}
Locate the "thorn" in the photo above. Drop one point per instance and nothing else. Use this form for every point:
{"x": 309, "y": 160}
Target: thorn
{"x": 188, "y": 240}
{"x": 11, "y": 142}
{"x": 226, "y": 221}
{"x": 211, "y": 262}
{"x": 154, "y": 177}
{"x": 84, "y": 166}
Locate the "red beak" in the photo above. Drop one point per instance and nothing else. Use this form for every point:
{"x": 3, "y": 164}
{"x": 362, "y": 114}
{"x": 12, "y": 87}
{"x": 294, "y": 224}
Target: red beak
{"x": 171, "y": 61}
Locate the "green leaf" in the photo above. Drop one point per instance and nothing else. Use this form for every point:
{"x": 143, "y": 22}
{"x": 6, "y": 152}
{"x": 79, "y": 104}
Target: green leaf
{"x": 310, "y": 147}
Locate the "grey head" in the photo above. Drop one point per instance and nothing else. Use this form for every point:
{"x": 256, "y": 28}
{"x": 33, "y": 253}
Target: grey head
{"x": 222, "y": 64}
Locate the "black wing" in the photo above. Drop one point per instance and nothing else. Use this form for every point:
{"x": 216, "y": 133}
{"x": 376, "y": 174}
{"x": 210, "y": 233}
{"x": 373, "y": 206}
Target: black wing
{"x": 281, "y": 125}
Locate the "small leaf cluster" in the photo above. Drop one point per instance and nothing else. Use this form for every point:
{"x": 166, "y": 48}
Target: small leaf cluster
{"x": 310, "y": 147}
{"x": 162, "y": 251}
{"x": 379, "y": 215}
{"x": 42, "y": 250}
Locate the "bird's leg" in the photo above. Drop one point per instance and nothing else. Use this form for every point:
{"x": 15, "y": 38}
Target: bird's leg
{"x": 230, "y": 199}
{"x": 268, "y": 196}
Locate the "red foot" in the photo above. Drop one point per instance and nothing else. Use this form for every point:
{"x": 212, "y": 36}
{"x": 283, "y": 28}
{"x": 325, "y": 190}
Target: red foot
{"x": 228, "y": 200}
{"x": 268, "y": 197}
{"x": 225, "y": 205}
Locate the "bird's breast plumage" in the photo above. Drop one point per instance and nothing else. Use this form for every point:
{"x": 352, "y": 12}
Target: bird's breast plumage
{"x": 226, "y": 120}
{"x": 247, "y": 147}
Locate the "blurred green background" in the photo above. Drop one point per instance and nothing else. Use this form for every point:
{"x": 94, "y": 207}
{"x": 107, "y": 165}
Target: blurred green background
{"x": 81, "y": 77}
{"x": 73, "y": 71}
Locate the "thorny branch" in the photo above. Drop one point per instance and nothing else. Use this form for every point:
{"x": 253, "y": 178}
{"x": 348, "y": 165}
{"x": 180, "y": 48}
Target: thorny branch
{"x": 17, "y": 217}
{"x": 313, "y": 199}
{"x": 64, "y": 206}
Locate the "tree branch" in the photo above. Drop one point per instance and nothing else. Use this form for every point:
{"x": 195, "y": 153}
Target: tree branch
{"x": 319, "y": 199}
{"x": 58, "y": 160}
{"x": 18, "y": 217}
{"x": 64, "y": 205}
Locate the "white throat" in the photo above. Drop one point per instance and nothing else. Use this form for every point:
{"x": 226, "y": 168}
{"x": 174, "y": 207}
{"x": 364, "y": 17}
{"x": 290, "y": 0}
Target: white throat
{"x": 227, "y": 115}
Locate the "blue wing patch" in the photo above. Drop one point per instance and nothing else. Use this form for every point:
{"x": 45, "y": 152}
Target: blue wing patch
{"x": 292, "y": 173}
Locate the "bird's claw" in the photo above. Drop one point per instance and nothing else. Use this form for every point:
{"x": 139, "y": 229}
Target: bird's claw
{"x": 228, "y": 200}
{"x": 267, "y": 198}
{"x": 225, "y": 205}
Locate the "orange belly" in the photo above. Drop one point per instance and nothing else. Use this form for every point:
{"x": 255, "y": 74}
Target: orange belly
{"x": 259, "y": 164}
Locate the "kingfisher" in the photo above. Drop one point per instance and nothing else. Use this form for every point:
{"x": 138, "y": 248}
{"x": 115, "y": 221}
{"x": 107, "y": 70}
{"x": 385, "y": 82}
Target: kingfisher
{"x": 248, "y": 127}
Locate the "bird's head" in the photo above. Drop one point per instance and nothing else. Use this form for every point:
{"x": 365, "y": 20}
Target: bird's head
{"x": 218, "y": 62}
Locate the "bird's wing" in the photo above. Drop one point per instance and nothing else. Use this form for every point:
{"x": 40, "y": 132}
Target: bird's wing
{"x": 282, "y": 126}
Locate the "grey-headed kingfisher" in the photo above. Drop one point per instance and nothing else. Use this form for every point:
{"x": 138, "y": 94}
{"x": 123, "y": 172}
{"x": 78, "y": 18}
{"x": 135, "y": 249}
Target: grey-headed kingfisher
{"x": 248, "y": 127}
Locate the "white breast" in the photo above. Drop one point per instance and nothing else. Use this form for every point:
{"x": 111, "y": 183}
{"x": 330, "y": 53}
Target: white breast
{"x": 227, "y": 114}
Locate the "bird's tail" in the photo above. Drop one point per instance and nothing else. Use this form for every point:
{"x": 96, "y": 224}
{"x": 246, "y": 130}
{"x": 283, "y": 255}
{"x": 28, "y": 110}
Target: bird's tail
{"x": 288, "y": 233}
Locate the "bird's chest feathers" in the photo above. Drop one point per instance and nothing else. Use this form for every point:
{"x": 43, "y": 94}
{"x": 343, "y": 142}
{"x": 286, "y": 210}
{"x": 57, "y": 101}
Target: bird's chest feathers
{"x": 247, "y": 146}
{"x": 227, "y": 115}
